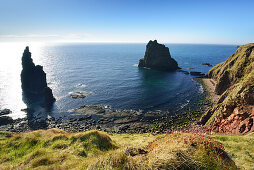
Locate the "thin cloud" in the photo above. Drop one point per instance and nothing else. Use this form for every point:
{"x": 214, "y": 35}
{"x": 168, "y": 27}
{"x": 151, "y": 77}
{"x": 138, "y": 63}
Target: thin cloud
{"x": 43, "y": 37}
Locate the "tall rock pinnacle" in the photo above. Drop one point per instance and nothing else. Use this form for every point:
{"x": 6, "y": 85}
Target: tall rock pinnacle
{"x": 33, "y": 79}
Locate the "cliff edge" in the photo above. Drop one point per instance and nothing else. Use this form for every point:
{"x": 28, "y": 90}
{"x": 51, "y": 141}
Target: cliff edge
{"x": 234, "y": 111}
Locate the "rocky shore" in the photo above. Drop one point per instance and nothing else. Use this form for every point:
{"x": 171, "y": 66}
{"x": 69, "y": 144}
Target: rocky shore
{"x": 106, "y": 119}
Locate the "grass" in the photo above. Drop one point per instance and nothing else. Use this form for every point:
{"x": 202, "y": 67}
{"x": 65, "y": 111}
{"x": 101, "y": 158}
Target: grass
{"x": 240, "y": 148}
{"x": 51, "y": 148}
{"x": 57, "y": 149}
{"x": 241, "y": 76}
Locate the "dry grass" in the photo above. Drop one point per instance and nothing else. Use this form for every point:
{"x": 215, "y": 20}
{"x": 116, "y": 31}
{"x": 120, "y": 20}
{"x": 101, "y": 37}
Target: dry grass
{"x": 172, "y": 151}
{"x": 57, "y": 149}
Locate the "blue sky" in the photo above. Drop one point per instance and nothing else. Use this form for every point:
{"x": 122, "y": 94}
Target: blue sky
{"x": 172, "y": 21}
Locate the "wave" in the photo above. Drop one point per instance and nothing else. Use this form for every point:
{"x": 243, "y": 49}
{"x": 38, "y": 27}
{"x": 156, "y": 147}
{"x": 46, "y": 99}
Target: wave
{"x": 80, "y": 93}
{"x": 81, "y": 85}
{"x": 185, "y": 104}
{"x": 201, "y": 89}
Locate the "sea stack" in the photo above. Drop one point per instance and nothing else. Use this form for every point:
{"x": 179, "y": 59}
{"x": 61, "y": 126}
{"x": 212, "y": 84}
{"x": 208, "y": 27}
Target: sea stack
{"x": 157, "y": 56}
{"x": 34, "y": 83}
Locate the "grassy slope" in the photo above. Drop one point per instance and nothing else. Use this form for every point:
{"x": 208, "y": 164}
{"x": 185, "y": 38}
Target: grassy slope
{"x": 240, "y": 67}
{"x": 47, "y": 149}
{"x": 240, "y": 148}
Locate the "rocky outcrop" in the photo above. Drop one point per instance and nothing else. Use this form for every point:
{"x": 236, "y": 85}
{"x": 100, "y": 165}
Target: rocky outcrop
{"x": 231, "y": 71}
{"x": 234, "y": 111}
{"x": 157, "y": 56}
{"x": 5, "y": 112}
{"x": 34, "y": 83}
{"x": 4, "y": 120}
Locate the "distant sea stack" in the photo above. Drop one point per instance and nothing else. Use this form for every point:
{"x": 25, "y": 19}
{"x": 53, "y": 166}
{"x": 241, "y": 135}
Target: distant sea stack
{"x": 33, "y": 79}
{"x": 157, "y": 56}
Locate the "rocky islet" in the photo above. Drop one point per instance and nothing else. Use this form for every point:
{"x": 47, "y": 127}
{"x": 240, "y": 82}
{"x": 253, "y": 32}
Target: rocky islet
{"x": 157, "y": 56}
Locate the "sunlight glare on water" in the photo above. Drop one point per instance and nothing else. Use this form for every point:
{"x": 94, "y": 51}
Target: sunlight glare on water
{"x": 10, "y": 69}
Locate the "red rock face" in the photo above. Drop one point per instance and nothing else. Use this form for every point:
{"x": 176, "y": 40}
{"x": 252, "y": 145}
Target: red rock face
{"x": 240, "y": 121}
{"x": 234, "y": 111}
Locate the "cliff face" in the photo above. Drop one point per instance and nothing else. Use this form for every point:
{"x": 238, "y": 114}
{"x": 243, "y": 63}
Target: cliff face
{"x": 157, "y": 56}
{"x": 234, "y": 112}
{"x": 33, "y": 80}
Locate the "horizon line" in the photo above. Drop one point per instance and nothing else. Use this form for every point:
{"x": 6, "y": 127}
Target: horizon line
{"x": 116, "y": 42}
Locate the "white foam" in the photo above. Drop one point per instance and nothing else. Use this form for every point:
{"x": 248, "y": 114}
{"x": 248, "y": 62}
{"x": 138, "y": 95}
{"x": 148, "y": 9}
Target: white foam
{"x": 135, "y": 65}
{"x": 185, "y": 104}
{"x": 201, "y": 89}
{"x": 80, "y": 93}
{"x": 81, "y": 85}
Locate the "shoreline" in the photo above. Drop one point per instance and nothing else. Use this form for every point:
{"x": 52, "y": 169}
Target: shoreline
{"x": 104, "y": 118}
{"x": 209, "y": 85}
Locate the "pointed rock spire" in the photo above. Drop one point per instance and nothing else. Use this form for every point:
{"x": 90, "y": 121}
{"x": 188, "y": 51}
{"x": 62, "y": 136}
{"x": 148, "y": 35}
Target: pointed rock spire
{"x": 33, "y": 80}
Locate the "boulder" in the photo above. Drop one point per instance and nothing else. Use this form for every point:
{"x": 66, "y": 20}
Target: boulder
{"x": 5, "y": 112}
{"x": 34, "y": 83}
{"x": 157, "y": 56}
{"x": 79, "y": 94}
{"x": 5, "y": 120}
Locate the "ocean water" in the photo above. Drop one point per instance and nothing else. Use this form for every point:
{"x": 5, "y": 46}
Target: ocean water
{"x": 110, "y": 73}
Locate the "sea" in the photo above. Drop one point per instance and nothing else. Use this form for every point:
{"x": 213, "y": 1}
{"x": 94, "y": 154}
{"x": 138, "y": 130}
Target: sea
{"x": 109, "y": 73}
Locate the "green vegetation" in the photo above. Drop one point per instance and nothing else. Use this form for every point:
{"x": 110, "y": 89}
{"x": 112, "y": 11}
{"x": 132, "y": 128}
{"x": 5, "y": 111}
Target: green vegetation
{"x": 51, "y": 148}
{"x": 57, "y": 149}
{"x": 240, "y": 148}
{"x": 235, "y": 81}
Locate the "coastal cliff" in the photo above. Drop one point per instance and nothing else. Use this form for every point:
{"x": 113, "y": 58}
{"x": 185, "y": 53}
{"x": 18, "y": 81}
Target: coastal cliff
{"x": 157, "y": 56}
{"x": 34, "y": 83}
{"x": 234, "y": 111}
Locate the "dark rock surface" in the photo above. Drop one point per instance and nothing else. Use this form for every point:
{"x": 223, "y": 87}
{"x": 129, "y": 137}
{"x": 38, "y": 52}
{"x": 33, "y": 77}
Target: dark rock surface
{"x": 157, "y": 56}
{"x": 104, "y": 118}
{"x": 196, "y": 73}
{"x": 223, "y": 83}
{"x": 135, "y": 151}
{"x": 34, "y": 83}
{"x": 4, "y": 120}
{"x": 5, "y": 112}
{"x": 79, "y": 94}
{"x": 207, "y": 64}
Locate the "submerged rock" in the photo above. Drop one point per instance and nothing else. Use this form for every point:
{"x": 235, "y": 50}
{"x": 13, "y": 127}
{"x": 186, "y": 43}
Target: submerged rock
{"x": 157, "y": 56}
{"x": 196, "y": 73}
{"x": 34, "y": 83}
{"x": 79, "y": 94}
{"x": 207, "y": 64}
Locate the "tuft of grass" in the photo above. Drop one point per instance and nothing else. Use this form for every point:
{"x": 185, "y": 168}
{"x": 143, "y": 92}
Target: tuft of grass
{"x": 57, "y": 149}
{"x": 172, "y": 151}
{"x": 51, "y": 148}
